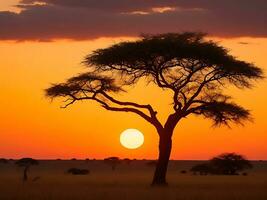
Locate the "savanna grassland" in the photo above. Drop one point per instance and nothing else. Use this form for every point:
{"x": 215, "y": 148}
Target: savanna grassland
{"x": 128, "y": 181}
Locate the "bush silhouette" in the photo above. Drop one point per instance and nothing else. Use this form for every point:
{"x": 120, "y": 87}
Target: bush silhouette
{"x": 230, "y": 164}
{"x": 3, "y": 161}
{"x": 76, "y": 171}
{"x": 151, "y": 163}
{"x": 202, "y": 169}
{"x": 224, "y": 164}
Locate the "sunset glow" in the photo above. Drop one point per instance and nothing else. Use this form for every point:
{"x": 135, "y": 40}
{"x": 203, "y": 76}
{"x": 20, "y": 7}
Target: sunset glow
{"x": 32, "y": 126}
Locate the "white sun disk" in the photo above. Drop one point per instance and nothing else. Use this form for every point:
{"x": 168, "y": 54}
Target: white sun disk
{"x": 131, "y": 138}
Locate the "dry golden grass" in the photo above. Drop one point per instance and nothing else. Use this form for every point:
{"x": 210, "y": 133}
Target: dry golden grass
{"x": 127, "y": 182}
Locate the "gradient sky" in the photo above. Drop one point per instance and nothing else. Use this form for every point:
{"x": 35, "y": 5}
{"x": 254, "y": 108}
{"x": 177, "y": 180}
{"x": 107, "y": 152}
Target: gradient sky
{"x": 44, "y": 43}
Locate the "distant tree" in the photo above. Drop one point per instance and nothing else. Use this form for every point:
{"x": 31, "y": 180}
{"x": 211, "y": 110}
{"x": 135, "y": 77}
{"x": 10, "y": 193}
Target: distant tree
{"x": 3, "y": 161}
{"x": 230, "y": 164}
{"x": 224, "y": 164}
{"x": 26, "y": 163}
{"x": 112, "y": 161}
{"x": 195, "y": 70}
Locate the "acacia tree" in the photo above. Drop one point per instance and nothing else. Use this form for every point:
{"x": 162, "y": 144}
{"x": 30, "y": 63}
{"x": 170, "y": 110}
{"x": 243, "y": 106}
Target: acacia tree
{"x": 230, "y": 163}
{"x": 193, "y": 68}
{"x": 26, "y": 163}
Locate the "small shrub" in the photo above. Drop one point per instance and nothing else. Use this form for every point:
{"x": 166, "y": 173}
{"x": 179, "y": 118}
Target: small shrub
{"x": 151, "y": 163}
{"x": 76, "y": 171}
{"x": 3, "y": 161}
{"x": 202, "y": 169}
{"x": 183, "y": 171}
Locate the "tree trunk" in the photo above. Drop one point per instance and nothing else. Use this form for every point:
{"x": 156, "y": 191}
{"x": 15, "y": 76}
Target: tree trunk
{"x": 25, "y": 173}
{"x": 165, "y": 145}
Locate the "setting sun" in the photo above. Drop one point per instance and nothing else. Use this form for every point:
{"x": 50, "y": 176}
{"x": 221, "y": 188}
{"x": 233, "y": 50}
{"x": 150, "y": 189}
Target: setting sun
{"x": 131, "y": 138}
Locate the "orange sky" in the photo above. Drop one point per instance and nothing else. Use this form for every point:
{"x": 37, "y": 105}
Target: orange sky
{"x": 32, "y": 126}
{"x": 8, "y": 5}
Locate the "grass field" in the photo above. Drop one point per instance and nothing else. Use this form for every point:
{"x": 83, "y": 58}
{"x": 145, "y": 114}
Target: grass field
{"x": 127, "y": 182}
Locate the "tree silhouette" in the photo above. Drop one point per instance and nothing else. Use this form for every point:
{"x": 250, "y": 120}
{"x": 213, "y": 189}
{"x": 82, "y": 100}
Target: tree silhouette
{"x": 26, "y": 163}
{"x": 230, "y": 163}
{"x": 113, "y": 162}
{"x": 223, "y": 164}
{"x": 193, "y": 68}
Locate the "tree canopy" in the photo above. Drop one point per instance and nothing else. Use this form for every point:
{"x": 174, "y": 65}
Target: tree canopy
{"x": 195, "y": 69}
{"x": 24, "y": 162}
{"x": 230, "y": 163}
{"x": 223, "y": 164}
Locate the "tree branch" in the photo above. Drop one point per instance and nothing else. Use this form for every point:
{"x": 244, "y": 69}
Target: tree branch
{"x": 152, "y": 112}
{"x": 151, "y": 119}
